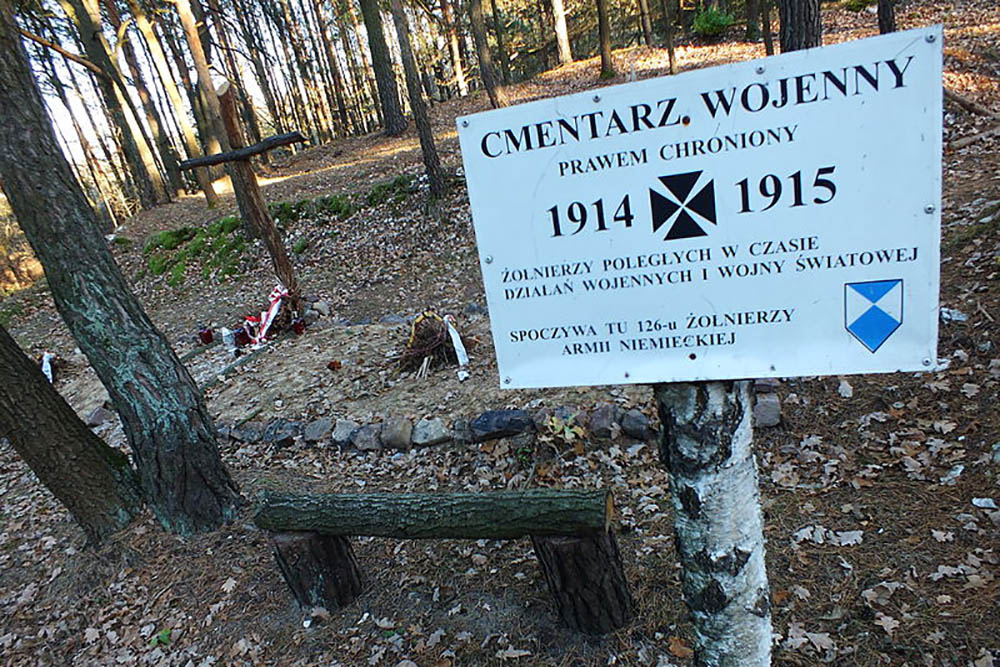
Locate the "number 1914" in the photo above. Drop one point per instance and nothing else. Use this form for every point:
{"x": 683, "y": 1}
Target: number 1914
{"x": 580, "y": 215}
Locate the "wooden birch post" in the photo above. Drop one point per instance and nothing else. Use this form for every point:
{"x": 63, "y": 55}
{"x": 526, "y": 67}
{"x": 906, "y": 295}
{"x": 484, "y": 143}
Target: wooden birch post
{"x": 706, "y": 444}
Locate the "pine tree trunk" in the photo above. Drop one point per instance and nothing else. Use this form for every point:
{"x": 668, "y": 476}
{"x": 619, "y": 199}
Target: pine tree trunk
{"x": 388, "y": 93}
{"x": 486, "y": 69}
{"x": 707, "y": 447}
{"x": 249, "y": 30}
{"x": 886, "y": 17}
{"x": 604, "y": 32}
{"x": 800, "y": 24}
{"x": 562, "y": 34}
{"x": 337, "y": 103}
{"x": 93, "y": 481}
{"x": 647, "y": 24}
{"x": 585, "y": 576}
{"x": 669, "y": 20}
{"x": 752, "y": 33}
{"x": 454, "y": 50}
{"x": 432, "y": 163}
{"x": 321, "y": 570}
{"x": 163, "y": 414}
{"x": 153, "y": 120}
{"x": 206, "y": 89}
{"x": 367, "y": 68}
{"x": 141, "y": 164}
{"x": 498, "y": 30}
{"x": 765, "y": 26}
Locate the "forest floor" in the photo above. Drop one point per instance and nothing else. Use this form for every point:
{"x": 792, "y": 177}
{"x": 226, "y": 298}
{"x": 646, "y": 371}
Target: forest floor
{"x": 877, "y": 553}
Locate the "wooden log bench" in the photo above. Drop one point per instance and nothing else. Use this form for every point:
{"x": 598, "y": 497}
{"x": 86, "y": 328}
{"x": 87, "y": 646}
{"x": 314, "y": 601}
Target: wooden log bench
{"x": 570, "y": 531}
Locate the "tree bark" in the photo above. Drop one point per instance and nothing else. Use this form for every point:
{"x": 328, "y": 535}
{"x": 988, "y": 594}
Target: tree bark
{"x": 388, "y": 92}
{"x": 145, "y": 173}
{"x": 562, "y": 34}
{"x": 886, "y": 17}
{"x": 93, "y": 481}
{"x": 205, "y": 86}
{"x": 604, "y": 34}
{"x": 338, "y": 103}
{"x": 647, "y": 24}
{"x": 497, "y": 515}
{"x": 800, "y": 24}
{"x": 156, "y": 125}
{"x": 486, "y": 69}
{"x": 498, "y": 30}
{"x": 321, "y": 570}
{"x": 163, "y": 414}
{"x": 432, "y": 163}
{"x": 765, "y": 26}
{"x": 752, "y": 12}
{"x": 585, "y": 576}
{"x": 454, "y": 50}
{"x": 253, "y": 209}
{"x": 668, "y": 33}
{"x": 706, "y": 446}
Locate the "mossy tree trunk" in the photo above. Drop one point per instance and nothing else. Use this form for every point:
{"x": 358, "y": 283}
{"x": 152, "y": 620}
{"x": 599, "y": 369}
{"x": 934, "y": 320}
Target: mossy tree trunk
{"x": 487, "y": 70}
{"x": 497, "y": 515}
{"x": 604, "y": 35}
{"x": 93, "y": 481}
{"x": 162, "y": 411}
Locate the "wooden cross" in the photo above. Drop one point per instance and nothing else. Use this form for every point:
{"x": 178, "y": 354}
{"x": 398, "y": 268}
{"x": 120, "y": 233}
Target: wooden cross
{"x": 253, "y": 209}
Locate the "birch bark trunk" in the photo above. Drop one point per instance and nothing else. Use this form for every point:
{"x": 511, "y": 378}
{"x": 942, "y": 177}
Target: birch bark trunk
{"x": 706, "y": 446}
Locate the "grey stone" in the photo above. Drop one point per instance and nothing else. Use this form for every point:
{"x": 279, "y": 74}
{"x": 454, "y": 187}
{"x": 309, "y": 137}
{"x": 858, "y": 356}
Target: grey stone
{"x": 767, "y": 410}
{"x": 396, "y": 432}
{"x": 368, "y": 438}
{"x": 428, "y": 432}
{"x": 322, "y": 307}
{"x": 248, "y": 432}
{"x": 99, "y": 415}
{"x": 604, "y": 421}
{"x": 317, "y": 431}
{"x": 310, "y": 317}
{"x": 281, "y": 433}
{"x": 393, "y": 319}
{"x": 474, "y": 309}
{"x": 461, "y": 431}
{"x": 637, "y": 425}
{"x": 343, "y": 432}
{"x": 766, "y": 385}
{"x": 494, "y": 424}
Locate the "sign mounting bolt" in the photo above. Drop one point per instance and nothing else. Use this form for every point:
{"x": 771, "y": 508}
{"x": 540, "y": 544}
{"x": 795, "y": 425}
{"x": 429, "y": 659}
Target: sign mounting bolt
{"x": 488, "y": 259}
{"x": 927, "y": 362}
{"x": 929, "y": 38}
{"x": 597, "y": 98}
{"x": 929, "y": 209}
{"x": 465, "y": 123}
{"x": 506, "y": 380}
{"x": 760, "y": 69}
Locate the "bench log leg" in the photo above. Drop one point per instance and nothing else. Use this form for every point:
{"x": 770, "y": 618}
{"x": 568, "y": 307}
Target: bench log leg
{"x": 321, "y": 570}
{"x": 587, "y": 581}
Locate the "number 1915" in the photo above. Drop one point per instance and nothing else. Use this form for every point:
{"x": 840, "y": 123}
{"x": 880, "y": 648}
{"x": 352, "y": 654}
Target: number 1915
{"x": 770, "y": 187}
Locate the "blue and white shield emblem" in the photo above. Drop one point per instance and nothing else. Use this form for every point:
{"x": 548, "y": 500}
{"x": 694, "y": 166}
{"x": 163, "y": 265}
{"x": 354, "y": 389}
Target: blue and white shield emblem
{"x": 873, "y": 310}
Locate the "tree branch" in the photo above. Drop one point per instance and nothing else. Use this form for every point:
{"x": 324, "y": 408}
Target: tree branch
{"x": 244, "y": 153}
{"x": 69, "y": 54}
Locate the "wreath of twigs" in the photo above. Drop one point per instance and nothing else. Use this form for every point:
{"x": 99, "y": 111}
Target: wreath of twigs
{"x": 429, "y": 345}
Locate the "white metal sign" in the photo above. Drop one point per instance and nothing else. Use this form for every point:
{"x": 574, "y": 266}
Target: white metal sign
{"x": 777, "y": 217}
